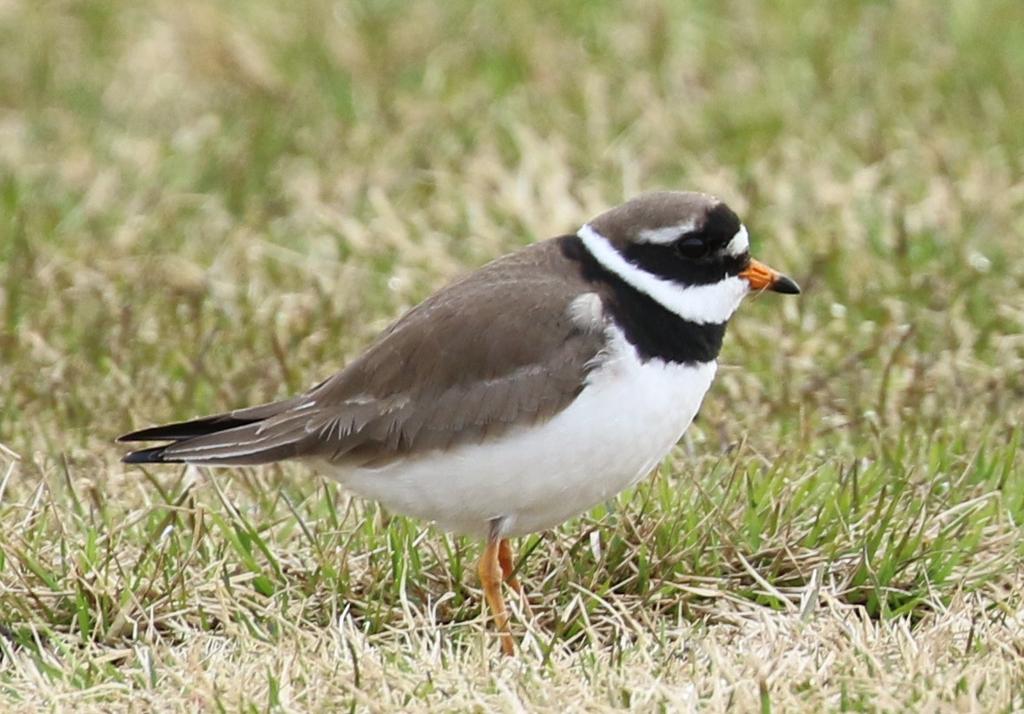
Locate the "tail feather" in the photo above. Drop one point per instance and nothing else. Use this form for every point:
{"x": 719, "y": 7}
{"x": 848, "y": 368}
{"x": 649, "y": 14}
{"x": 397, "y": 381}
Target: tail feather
{"x": 186, "y": 429}
{"x": 212, "y": 424}
{"x": 145, "y": 456}
{"x": 257, "y": 435}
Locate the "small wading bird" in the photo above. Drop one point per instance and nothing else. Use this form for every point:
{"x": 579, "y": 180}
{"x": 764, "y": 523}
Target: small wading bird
{"x": 524, "y": 393}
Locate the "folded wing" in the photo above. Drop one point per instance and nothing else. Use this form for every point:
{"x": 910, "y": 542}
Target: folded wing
{"x": 499, "y": 349}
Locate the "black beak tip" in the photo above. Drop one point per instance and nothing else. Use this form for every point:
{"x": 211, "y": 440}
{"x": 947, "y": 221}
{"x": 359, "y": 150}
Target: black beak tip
{"x": 785, "y": 286}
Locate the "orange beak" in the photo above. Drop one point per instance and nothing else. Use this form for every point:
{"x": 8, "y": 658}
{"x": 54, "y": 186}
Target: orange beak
{"x": 761, "y": 277}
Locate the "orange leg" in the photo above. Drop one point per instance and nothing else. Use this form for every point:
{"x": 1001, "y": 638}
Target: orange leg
{"x": 490, "y": 578}
{"x": 507, "y": 566}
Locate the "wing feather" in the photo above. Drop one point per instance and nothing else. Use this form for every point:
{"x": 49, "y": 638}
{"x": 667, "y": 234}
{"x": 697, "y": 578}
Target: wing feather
{"x": 499, "y": 348}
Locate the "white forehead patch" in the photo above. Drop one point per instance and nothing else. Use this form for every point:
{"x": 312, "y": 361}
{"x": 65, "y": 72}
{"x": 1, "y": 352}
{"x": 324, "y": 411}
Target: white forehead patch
{"x": 740, "y": 242}
{"x": 703, "y": 304}
{"x": 666, "y": 234}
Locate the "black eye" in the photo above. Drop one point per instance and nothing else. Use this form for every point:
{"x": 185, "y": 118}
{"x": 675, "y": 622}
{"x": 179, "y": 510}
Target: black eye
{"x": 691, "y": 248}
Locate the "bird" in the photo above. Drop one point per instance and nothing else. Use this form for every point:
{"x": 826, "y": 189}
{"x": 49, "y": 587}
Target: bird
{"x": 522, "y": 394}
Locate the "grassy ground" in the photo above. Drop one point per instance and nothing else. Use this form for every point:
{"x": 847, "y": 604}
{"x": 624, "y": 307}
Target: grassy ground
{"x": 205, "y": 205}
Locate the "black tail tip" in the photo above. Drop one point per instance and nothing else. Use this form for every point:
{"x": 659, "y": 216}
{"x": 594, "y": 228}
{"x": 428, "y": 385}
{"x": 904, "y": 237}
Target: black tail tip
{"x": 145, "y": 456}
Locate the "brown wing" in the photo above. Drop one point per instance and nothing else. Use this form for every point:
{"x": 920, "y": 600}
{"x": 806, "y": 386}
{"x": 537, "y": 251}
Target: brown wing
{"x": 496, "y": 349}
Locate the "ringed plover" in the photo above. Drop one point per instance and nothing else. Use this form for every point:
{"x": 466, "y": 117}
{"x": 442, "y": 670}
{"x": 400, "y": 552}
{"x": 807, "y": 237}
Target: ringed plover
{"x": 524, "y": 393}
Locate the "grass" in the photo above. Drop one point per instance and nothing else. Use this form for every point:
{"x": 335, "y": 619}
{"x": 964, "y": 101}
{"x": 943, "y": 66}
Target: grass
{"x": 204, "y": 205}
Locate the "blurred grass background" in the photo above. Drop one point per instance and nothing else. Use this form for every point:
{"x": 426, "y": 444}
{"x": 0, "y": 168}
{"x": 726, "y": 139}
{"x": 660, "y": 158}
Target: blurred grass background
{"x": 210, "y": 204}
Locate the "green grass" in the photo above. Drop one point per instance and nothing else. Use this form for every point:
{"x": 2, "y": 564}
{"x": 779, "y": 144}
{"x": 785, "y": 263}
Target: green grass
{"x": 206, "y": 205}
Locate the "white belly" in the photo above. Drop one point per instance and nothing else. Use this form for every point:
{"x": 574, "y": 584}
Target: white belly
{"x": 533, "y": 478}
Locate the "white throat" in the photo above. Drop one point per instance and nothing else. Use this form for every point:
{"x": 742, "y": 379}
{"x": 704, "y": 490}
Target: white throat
{"x": 702, "y": 304}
